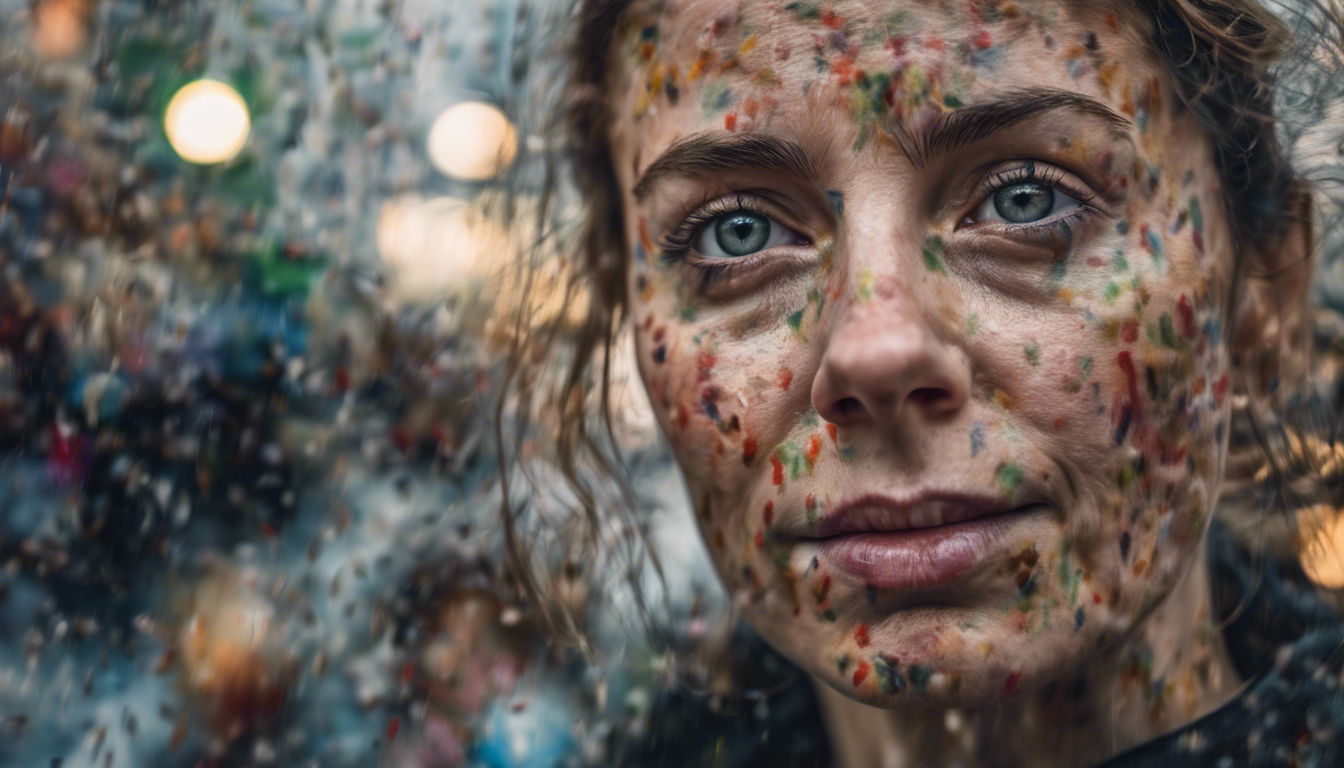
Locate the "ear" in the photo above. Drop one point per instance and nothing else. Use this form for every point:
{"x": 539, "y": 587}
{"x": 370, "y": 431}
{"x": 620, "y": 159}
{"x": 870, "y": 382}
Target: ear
{"x": 1271, "y": 339}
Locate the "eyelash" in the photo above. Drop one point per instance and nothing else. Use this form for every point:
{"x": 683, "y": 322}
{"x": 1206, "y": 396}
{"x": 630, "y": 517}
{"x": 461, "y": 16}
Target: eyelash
{"x": 1031, "y": 170}
{"x": 677, "y": 244}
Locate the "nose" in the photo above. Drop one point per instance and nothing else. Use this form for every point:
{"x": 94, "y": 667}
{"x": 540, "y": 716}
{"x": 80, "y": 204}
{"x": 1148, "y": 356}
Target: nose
{"x": 884, "y": 363}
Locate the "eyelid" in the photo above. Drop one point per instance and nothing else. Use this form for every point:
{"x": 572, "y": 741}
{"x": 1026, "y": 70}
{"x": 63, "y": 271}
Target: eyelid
{"x": 1031, "y": 170}
{"x": 678, "y": 243}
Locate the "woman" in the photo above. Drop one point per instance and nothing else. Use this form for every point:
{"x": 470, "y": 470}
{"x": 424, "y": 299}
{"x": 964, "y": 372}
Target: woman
{"x": 942, "y": 309}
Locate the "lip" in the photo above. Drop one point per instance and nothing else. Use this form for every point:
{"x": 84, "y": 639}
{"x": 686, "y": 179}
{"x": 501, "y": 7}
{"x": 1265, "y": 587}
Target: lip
{"x": 918, "y": 543}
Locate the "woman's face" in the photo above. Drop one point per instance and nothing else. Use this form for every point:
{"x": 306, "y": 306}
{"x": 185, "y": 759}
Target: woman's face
{"x": 930, "y": 301}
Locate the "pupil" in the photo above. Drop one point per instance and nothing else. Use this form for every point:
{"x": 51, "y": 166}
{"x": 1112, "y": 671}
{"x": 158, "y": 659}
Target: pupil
{"x": 742, "y": 233}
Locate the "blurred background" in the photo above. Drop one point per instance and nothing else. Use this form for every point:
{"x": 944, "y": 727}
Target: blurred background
{"x": 250, "y": 340}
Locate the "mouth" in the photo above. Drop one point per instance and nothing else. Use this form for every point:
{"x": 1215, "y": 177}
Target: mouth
{"x": 921, "y": 542}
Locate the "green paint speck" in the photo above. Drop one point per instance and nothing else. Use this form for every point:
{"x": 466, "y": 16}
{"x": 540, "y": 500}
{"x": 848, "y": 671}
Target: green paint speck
{"x": 1033, "y": 352}
{"x": 796, "y": 320}
{"x": 1086, "y": 365}
{"x": 1010, "y": 476}
{"x": 1112, "y": 292}
{"x": 919, "y": 677}
{"x": 1120, "y": 262}
{"x": 1168, "y": 331}
{"x": 933, "y": 249}
{"x": 972, "y": 324}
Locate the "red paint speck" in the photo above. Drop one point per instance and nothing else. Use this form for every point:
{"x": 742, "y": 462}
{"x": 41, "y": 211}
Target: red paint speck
{"x": 1059, "y": 423}
{"x": 861, "y": 636}
{"x": 813, "y": 449}
{"x": 645, "y": 241}
{"x": 1126, "y": 362}
{"x": 769, "y": 512}
{"x": 830, "y": 19}
{"x": 748, "y": 449}
{"x": 983, "y": 39}
{"x": 1010, "y": 683}
{"x": 1112, "y": 22}
{"x": 267, "y": 531}
{"x": 393, "y": 726}
{"x": 1186, "y": 315}
{"x": 1130, "y": 332}
{"x": 830, "y": 430}
{"x": 861, "y": 673}
{"x": 1199, "y": 241}
{"x": 785, "y": 378}
{"x": 811, "y": 501}
{"x": 730, "y": 121}
{"x": 760, "y": 538}
{"x": 1220, "y": 390}
{"x": 1096, "y": 598}
{"x": 778, "y": 477}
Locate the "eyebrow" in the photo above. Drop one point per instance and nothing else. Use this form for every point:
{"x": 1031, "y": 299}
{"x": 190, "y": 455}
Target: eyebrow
{"x": 715, "y": 152}
{"x": 709, "y": 152}
{"x": 970, "y": 124}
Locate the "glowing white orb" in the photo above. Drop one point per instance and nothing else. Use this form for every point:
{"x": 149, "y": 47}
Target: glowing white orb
{"x": 207, "y": 122}
{"x": 472, "y": 141}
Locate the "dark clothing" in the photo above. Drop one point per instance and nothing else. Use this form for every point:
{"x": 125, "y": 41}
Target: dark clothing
{"x": 1283, "y": 639}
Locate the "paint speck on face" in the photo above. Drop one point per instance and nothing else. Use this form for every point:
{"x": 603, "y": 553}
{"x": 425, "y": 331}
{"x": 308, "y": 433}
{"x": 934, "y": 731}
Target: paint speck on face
{"x": 837, "y": 199}
{"x": 1032, "y": 352}
{"x": 785, "y": 378}
{"x": 1078, "y": 617}
{"x": 1003, "y": 400}
{"x": 778, "y": 470}
{"x": 833, "y": 432}
{"x": 1085, "y": 366}
{"x": 861, "y": 636}
{"x": 861, "y": 673}
{"x": 919, "y": 677}
{"x": 1010, "y": 476}
{"x": 977, "y": 438}
{"x": 972, "y": 324}
{"x": 889, "y": 679}
{"x": 748, "y": 449}
{"x": 933, "y": 251}
{"x": 1010, "y": 682}
{"x": 813, "y": 450}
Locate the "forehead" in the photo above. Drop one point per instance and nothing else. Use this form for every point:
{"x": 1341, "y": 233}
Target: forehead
{"x": 803, "y": 66}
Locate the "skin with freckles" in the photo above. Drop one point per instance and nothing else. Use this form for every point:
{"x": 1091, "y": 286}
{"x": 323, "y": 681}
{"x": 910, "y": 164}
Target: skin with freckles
{"x": 919, "y": 250}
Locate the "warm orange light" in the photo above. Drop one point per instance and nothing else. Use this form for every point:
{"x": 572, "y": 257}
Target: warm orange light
{"x": 58, "y": 27}
{"x": 1323, "y": 546}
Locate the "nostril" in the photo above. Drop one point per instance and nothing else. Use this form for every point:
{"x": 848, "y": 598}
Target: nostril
{"x": 848, "y": 406}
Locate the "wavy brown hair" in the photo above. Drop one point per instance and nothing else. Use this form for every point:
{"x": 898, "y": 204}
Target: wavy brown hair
{"x": 1232, "y": 62}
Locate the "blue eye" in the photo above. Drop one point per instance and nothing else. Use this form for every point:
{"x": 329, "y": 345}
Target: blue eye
{"x": 1024, "y": 202}
{"x": 742, "y": 233}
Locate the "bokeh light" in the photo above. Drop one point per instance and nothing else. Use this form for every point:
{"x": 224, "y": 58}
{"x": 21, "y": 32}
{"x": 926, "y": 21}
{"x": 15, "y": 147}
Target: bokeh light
{"x": 437, "y": 246}
{"x": 58, "y": 27}
{"x": 1323, "y": 546}
{"x": 472, "y": 141}
{"x": 207, "y": 122}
